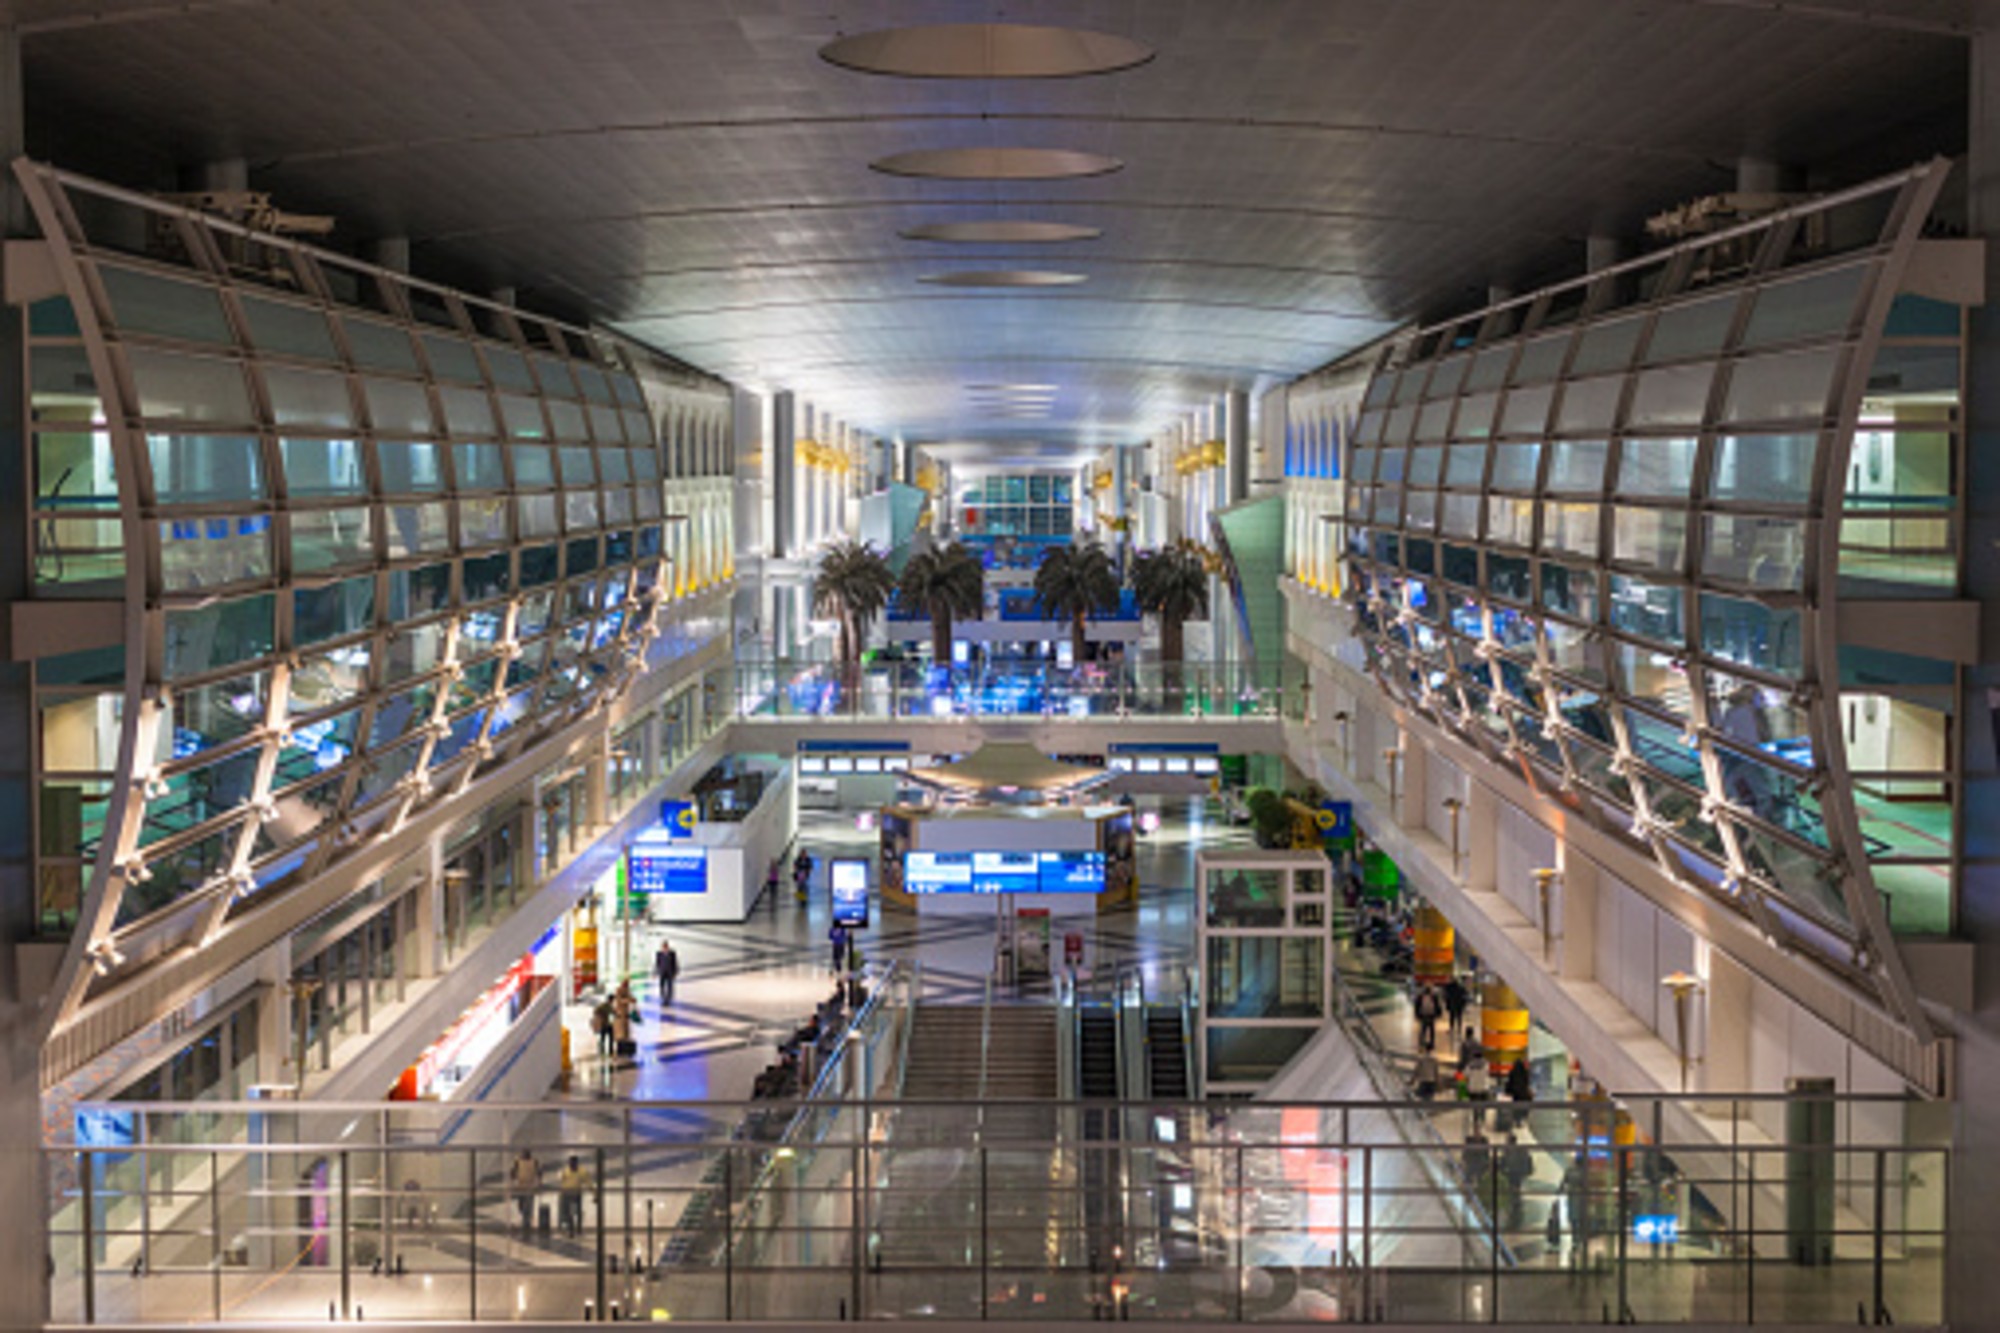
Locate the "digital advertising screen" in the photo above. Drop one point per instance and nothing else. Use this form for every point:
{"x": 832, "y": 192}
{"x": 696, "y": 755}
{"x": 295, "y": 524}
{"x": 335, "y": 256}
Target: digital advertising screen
{"x": 850, "y": 892}
{"x": 1003, "y": 872}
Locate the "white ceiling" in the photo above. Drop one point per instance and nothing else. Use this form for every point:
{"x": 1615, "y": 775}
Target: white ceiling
{"x": 1300, "y": 175}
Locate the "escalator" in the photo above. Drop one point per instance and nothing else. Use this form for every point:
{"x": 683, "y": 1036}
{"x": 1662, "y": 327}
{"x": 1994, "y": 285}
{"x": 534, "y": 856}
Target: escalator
{"x": 1097, "y": 1053}
{"x": 1166, "y": 1056}
{"x": 1099, "y": 1167}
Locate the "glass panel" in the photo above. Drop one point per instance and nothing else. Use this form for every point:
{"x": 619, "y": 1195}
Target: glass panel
{"x": 1607, "y": 346}
{"x": 62, "y": 387}
{"x": 1921, "y": 317}
{"x": 1460, "y": 517}
{"x": 148, "y": 303}
{"x": 208, "y": 637}
{"x": 1541, "y": 359}
{"x": 1818, "y": 306}
{"x": 566, "y": 420}
{"x": 307, "y": 397}
{"x": 1465, "y": 465}
{"x": 1589, "y": 405}
{"x": 1489, "y": 368}
{"x": 1780, "y": 387}
{"x": 176, "y": 387}
{"x": 1656, "y": 467}
{"x": 1426, "y": 465}
{"x": 1672, "y": 396}
{"x": 332, "y": 612}
{"x": 466, "y": 411}
{"x": 378, "y": 346}
{"x": 1434, "y": 422}
{"x": 1510, "y": 522}
{"x": 1527, "y": 411}
{"x": 452, "y": 359}
{"x": 398, "y": 405}
{"x": 1475, "y": 416}
{"x": 483, "y": 521}
{"x": 417, "y": 528}
{"x": 481, "y": 467}
{"x": 1653, "y": 676}
{"x": 1515, "y": 465}
{"x": 418, "y": 592}
{"x": 523, "y": 417}
{"x": 329, "y": 538}
{"x": 1773, "y": 468}
{"x": 409, "y": 468}
{"x": 1649, "y": 610}
{"x": 1760, "y": 552}
{"x": 277, "y": 326}
{"x": 576, "y": 467}
{"x": 1656, "y": 538}
{"x": 1577, "y": 465}
{"x": 197, "y": 469}
{"x": 1921, "y": 373}
{"x": 204, "y": 716}
{"x": 206, "y": 552}
{"x": 1570, "y": 527}
{"x": 335, "y": 678}
{"x": 606, "y": 426}
{"x": 510, "y": 370}
{"x": 538, "y": 515}
{"x": 322, "y": 467}
{"x": 1750, "y": 634}
{"x": 1573, "y": 592}
{"x": 534, "y": 467}
{"x": 1695, "y": 329}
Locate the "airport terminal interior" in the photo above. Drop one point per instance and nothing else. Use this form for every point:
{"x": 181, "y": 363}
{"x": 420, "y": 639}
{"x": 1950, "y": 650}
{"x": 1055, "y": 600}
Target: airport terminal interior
{"x": 1283, "y": 661}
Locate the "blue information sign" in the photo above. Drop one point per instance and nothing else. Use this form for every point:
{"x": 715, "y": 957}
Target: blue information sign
{"x": 677, "y": 818}
{"x": 653, "y": 866}
{"x": 1003, "y": 872}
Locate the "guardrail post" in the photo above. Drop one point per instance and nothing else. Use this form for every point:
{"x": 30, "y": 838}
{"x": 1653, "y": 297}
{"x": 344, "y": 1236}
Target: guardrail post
{"x": 1367, "y": 1234}
{"x": 1242, "y": 1234}
{"x": 1750, "y": 1245}
{"x": 215, "y": 1229}
{"x": 985, "y": 1286}
{"x": 598, "y": 1184}
{"x": 1881, "y": 1191}
{"x": 1624, "y": 1230}
{"x": 472, "y": 1231}
{"x": 346, "y": 1239}
{"x": 728, "y": 1231}
{"x": 89, "y": 1237}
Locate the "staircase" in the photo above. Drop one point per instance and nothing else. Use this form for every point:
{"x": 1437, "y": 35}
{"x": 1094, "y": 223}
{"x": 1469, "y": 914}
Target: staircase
{"x": 943, "y": 1060}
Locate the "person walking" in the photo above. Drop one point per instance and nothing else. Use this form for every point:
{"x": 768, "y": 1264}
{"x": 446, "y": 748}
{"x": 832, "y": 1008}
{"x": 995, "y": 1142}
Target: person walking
{"x": 666, "y": 969}
{"x": 1455, "y": 999}
{"x": 622, "y": 1005}
{"x": 1469, "y": 1048}
{"x": 1517, "y": 1167}
{"x": 838, "y": 938}
{"x": 1429, "y": 1010}
{"x": 573, "y": 1180}
{"x": 524, "y": 1180}
{"x": 1424, "y": 1082}
{"x": 600, "y": 1023}
{"x": 1520, "y": 1089}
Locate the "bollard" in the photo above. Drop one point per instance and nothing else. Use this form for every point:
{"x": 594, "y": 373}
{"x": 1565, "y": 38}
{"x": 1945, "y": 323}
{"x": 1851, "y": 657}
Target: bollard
{"x": 589, "y": 1310}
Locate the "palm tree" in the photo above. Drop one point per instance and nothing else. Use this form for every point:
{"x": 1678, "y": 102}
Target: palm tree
{"x": 853, "y": 585}
{"x": 1073, "y": 582}
{"x": 949, "y": 583}
{"x": 1172, "y": 583}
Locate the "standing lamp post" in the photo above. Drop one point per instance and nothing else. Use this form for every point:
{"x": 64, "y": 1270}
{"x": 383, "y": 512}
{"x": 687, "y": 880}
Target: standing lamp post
{"x": 1454, "y": 807}
{"x": 1346, "y": 760}
{"x": 1545, "y": 880}
{"x": 1392, "y": 757}
{"x": 1683, "y": 987}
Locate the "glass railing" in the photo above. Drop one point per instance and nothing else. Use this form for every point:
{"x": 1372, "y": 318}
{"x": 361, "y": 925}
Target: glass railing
{"x": 287, "y": 1212}
{"x": 913, "y": 690}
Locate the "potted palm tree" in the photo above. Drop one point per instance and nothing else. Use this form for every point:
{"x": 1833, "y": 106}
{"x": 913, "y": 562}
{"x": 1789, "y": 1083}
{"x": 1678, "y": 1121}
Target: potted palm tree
{"x": 852, "y": 585}
{"x": 1172, "y": 583}
{"x": 1074, "y": 582}
{"x": 949, "y": 583}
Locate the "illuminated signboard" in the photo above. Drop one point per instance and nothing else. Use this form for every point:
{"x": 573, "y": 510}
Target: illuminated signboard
{"x": 659, "y": 866}
{"x": 1003, "y": 872}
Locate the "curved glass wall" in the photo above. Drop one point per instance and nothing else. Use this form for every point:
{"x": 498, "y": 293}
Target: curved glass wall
{"x": 373, "y": 538}
{"x": 1600, "y": 532}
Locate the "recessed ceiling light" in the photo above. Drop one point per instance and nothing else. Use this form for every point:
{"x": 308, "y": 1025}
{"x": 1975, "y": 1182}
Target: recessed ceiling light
{"x": 1004, "y": 277}
{"x": 1006, "y": 232}
{"x": 1011, "y": 388}
{"x": 985, "y": 51}
{"x": 997, "y": 164}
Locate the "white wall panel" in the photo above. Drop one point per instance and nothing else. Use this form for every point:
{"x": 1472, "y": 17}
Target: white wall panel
{"x": 1520, "y": 847}
{"x": 1442, "y": 779}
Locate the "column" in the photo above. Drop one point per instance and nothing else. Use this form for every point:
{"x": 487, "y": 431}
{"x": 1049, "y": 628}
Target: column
{"x": 1576, "y": 916}
{"x": 23, "y": 1247}
{"x": 1973, "y": 1280}
{"x": 1481, "y": 820}
{"x": 1411, "y": 793}
{"x": 1236, "y": 444}
{"x": 274, "y": 1013}
{"x": 430, "y": 913}
{"x": 783, "y": 469}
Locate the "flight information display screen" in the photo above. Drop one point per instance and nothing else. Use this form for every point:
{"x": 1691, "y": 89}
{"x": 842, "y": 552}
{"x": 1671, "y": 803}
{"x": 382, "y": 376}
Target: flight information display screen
{"x": 1003, "y": 872}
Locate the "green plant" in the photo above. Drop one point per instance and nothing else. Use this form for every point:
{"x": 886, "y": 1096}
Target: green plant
{"x": 852, "y": 584}
{"x": 1074, "y": 582}
{"x": 1270, "y": 820}
{"x": 949, "y": 583}
{"x": 1172, "y": 583}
